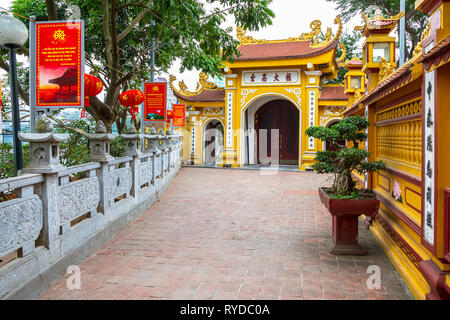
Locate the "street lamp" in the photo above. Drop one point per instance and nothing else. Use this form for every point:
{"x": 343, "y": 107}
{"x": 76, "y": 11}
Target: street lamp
{"x": 13, "y": 34}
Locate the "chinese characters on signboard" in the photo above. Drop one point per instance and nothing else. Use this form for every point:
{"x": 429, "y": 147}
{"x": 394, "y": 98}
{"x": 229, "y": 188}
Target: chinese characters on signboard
{"x": 155, "y": 96}
{"x": 429, "y": 177}
{"x": 272, "y": 77}
{"x": 179, "y": 115}
{"x": 59, "y": 64}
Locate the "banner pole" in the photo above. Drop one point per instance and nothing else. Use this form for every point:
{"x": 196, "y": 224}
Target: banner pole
{"x": 32, "y": 46}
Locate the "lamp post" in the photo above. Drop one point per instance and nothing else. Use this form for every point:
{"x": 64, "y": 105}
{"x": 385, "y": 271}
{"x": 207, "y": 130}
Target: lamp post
{"x": 13, "y": 34}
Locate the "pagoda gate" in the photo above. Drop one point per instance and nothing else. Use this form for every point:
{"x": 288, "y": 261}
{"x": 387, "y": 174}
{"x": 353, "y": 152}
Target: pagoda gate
{"x": 274, "y": 90}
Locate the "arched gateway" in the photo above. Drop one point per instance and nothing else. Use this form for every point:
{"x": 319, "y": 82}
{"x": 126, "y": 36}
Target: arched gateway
{"x": 273, "y": 92}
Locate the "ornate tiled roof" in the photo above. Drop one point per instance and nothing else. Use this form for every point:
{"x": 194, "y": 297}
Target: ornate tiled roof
{"x": 378, "y": 23}
{"x": 439, "y": 54}
{"x": 306, "y": 45}
{"x": 281, "y": 50}
{"x": 208, "y": 95}
{"x": 207, "y": 91}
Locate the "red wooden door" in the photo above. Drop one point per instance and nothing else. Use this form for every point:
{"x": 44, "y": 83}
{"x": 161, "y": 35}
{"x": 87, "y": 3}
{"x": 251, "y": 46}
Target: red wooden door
{"x": 281, "y": 115}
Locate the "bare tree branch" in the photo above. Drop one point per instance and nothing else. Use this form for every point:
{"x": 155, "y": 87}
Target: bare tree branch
{"x": 61, "y": 124}
{"x": 133, "y": 23}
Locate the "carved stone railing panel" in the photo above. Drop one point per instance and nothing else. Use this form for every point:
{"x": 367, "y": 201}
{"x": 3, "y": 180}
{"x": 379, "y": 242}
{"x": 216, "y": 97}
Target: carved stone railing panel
{"x": 145, "y": 173}
{"x": 172, "y": 157}
{"x": 158, "y": 168}
{"x": 119, "y": 182}
{"x": 20, "y": 223}
{"x": 78, "y": 198}
{"x": 166, "y": 161}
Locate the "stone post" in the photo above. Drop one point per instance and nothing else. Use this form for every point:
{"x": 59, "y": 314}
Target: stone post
{"x": 132, "y": 139}
{"x": 44, "y": 159}
{"x": 99, "y": 145}
{"x": 151, "y": 144}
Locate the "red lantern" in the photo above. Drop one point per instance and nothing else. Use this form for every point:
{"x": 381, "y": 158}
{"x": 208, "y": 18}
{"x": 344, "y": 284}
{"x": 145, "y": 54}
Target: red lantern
{"x": 92, "y": 87}
{"x": 130, "y": 99}
{"x": 169, "y": 115}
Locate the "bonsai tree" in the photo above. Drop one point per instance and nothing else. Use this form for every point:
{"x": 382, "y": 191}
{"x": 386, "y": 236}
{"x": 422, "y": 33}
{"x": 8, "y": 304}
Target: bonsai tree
{"x": 344, "y": 160}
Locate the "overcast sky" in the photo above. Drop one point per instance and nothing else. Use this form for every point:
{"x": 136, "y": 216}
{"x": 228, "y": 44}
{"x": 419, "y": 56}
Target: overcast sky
{"x": 292, "y": 17}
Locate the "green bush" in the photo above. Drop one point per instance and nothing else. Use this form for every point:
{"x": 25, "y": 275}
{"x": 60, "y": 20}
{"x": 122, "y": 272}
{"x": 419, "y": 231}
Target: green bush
{"x": 344, "y": 161}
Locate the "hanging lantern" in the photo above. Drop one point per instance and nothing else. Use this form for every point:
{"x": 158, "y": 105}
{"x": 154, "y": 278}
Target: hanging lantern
{"x": 169, "y": 115}
{"x": 92, "y": 87}
{"x": 131, "y": 99}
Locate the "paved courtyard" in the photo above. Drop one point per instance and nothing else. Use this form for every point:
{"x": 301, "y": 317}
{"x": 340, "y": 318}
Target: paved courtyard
{"x": 232, "y": 234}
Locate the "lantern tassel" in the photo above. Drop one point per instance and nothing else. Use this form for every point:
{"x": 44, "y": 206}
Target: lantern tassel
{"x": 83, "y": 113}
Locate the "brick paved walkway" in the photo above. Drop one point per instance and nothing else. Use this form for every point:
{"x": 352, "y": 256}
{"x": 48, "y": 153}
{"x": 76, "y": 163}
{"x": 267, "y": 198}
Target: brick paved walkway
{"x": 232, "y": 234}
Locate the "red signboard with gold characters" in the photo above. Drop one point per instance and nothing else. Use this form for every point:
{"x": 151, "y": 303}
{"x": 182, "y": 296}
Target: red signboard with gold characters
{"x": 59, "y": 64}
{"x": 179, "y": 115}
{"x": 155, "y": 96}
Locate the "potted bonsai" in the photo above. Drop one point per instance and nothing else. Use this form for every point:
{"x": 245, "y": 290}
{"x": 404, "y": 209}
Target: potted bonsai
{"x": 343, "y": 199}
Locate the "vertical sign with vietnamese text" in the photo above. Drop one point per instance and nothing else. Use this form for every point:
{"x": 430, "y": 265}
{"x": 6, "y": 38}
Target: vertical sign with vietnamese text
{"x": 59, "y": 64}
{"x": 179, "y": 115}
{"x": 155, "y": 96}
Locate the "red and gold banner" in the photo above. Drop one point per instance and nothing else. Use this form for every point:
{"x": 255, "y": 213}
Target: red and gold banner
{"x": 179, "y": 115}
{"x": 59, "y": 69}
{"x": 155, "y": 101}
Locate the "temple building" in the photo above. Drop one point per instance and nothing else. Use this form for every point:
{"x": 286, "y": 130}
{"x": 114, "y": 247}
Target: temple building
{"x": 272, "y": 84}
{"x": 281, "y": 84}
{"x": 408, "y": 111}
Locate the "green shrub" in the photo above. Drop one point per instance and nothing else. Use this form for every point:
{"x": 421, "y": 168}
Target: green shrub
{"x": 344, "y": 161}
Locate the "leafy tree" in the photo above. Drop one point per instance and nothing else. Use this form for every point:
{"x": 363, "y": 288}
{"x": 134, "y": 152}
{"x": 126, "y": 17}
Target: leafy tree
{"x": 7, "y": 159}
{"x": 415, "y": 21}
{"x": 121, "y": 34}
{"x": 344, "y": 161}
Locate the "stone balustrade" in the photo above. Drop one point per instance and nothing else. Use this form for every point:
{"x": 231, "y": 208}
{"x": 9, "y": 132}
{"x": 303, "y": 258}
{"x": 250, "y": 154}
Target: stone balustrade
{"x": 60, "y": 215}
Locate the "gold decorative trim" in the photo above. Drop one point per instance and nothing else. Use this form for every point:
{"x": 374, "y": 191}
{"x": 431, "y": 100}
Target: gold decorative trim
{"x": 316, "y": 28}
{"x": 244, "y": 39}
{"x": 328, "y": 38}
{"x": 203, "y": 84}
{"x": 341, "y": 62}
{"x": 386, "y": 69}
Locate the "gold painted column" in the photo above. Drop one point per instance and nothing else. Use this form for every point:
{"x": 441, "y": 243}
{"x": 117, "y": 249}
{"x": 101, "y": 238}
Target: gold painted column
{"x": 195, "y": 137}
{"x": 311, "y": 145}
{"x": 230, "y": 152}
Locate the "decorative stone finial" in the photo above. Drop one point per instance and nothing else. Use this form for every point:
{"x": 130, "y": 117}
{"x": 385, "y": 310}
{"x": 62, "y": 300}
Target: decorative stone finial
{"x": 44, "y": 125}
{"x": 161, "y": 132}
{"x": 100, "y": 127}
{"x": 153, "y": 131}
{"x": 132, "y": 129}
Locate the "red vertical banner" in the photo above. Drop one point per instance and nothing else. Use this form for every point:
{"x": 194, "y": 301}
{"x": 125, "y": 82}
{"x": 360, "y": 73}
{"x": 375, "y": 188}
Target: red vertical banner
{"x": 179, "y": 115}
{"x": 155, "y": 97}
{"x": 59, "y": 64}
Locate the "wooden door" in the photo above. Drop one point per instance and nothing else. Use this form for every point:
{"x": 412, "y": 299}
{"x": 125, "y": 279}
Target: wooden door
{"x": 281, "y": 115}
